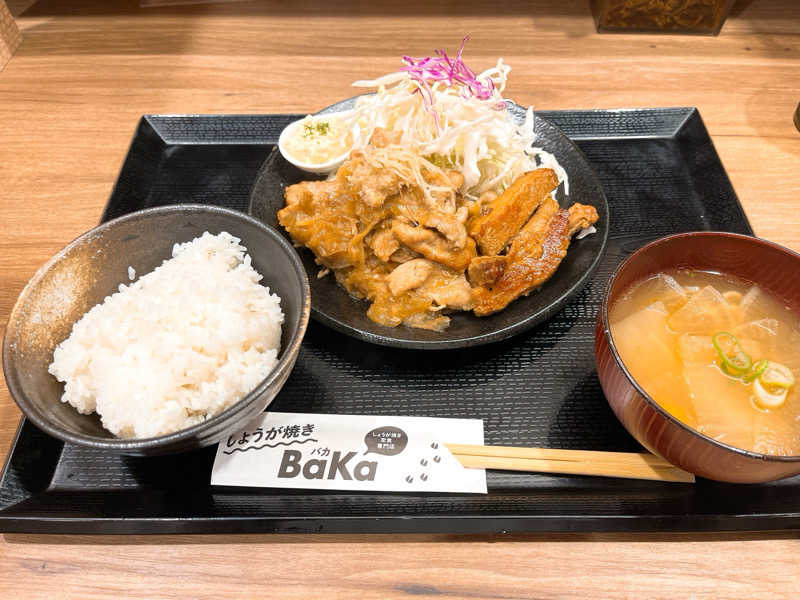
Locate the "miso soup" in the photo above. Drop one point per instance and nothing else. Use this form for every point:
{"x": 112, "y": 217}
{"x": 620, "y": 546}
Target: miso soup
{"x": 718, "y": 353}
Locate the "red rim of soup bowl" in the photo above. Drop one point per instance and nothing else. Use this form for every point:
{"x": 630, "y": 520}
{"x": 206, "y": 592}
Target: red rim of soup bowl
{"x": 654, "y": 427}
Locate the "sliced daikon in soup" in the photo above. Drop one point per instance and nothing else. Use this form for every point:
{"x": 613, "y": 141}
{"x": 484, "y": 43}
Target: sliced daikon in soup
{"x": 646, "y": 332}
{"x": 696, "y": 349}
{"x": 761, "y": 330}
{"x": 705, "y": 313}
{"x": 663, "y": 289}
{"x": 754, "y": 303}
{"x": 723, "y": 412}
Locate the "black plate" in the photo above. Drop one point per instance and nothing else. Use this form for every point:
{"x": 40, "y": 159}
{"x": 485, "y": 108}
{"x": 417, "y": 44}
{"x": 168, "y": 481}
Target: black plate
{"x": 661, "y": 175}
{"x": 333, "y": 306}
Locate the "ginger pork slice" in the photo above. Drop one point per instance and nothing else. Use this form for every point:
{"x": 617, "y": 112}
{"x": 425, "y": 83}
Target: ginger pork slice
{"x": 313, "y": 219}
{"x": 535, "y": 254}
{"x": 434, "y": 246}
{"x": 511, "y": 210}
{"x": 526, "y": 273}
{"x": 528, "y": 242}
{"x": 581, "y": 216}
{"x": 485, "y": 270}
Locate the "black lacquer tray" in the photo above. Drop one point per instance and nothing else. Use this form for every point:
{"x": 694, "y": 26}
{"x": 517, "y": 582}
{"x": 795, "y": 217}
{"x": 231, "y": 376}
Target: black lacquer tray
{"x": 661, "y": 175}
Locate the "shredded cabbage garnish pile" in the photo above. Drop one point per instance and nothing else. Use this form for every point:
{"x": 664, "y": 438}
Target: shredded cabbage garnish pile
{"x": 455, "y": 119}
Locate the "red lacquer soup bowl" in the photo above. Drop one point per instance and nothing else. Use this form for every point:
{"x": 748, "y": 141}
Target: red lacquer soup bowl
{"x": 768, "y": 265}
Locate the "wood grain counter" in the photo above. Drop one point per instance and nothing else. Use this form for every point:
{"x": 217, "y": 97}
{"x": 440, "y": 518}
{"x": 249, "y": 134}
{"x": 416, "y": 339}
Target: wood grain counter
{"x": 70, "y": 99}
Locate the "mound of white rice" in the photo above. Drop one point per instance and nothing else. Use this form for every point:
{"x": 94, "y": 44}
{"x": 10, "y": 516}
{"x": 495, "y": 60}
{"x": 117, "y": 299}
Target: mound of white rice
{"x": 175, "y": 347}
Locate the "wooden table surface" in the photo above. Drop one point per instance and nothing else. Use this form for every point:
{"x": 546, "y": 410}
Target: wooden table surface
{"x": 69, "y": 102}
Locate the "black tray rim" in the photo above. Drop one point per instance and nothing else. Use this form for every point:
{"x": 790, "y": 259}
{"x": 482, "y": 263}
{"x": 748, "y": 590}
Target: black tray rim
{"x": 629, "y": 525}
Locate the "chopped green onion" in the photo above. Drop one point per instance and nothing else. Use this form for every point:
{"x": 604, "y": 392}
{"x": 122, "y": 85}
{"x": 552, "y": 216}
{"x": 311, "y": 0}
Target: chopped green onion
{"x": 755, "y": 372}
{"x": 758, "y": 368}
{"x": 771, "y": 381}
{"x": 777, "y": 376}
{"x": 772, "y": 385}
{"x": 730, "y": 371}
{"x": 735, "y": 361}
{"x": 769, "y": 398}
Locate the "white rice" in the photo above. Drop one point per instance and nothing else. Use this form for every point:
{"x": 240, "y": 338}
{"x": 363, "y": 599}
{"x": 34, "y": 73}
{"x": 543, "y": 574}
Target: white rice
{"x": 176, "y": 347}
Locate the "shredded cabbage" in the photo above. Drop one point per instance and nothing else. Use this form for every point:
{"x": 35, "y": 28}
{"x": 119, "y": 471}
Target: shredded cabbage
{"x": 455, "y": 119}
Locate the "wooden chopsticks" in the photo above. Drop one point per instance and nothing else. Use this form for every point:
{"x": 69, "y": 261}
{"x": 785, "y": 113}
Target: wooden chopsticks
{"x": 571, "y": 462}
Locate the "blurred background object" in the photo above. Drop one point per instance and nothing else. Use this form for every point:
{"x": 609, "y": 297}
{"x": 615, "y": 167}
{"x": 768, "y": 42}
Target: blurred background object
{"x": 797, "y": 116}
{"x": 666, "y": 16}
{"x": 10, "y": 37}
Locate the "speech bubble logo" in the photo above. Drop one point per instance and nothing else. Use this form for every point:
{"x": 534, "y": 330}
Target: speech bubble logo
{"x": 386, "y": 440}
